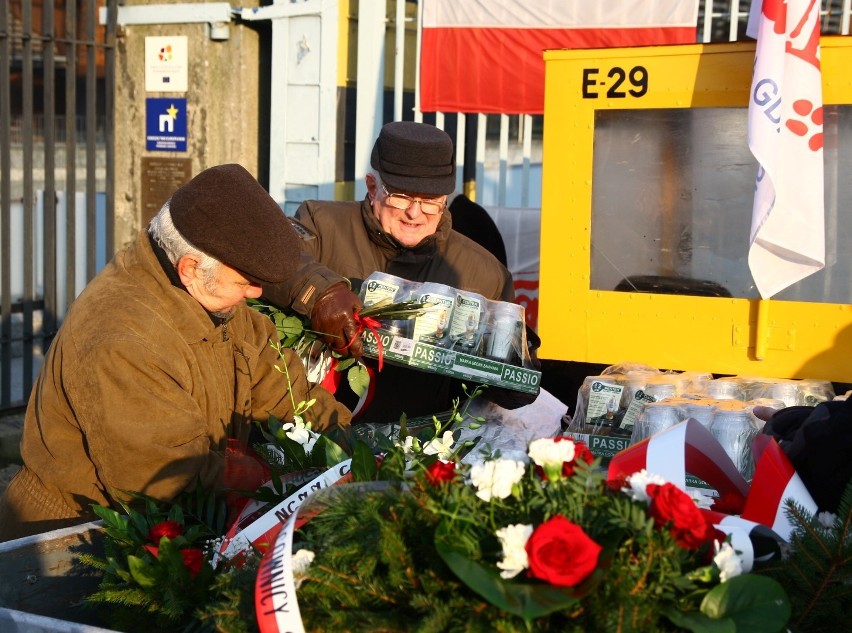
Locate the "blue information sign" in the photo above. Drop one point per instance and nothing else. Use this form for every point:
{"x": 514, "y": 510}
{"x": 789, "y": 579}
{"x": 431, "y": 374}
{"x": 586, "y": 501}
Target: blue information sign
{"x": 165, "y": 125}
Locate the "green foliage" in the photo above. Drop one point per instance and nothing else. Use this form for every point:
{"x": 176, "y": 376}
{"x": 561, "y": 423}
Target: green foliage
{"x": 166, "y": 579}
{"x": 357, "y": 376}
{"x": 400, "y": 550}
{"x": 295, "y": 333}
{"x": 817, "y": 567}
{"x": 380, "y": 566}
{"x": 230, "y": 607}
{"x": 417, "y": 556}
{"x": 526, "y": 600}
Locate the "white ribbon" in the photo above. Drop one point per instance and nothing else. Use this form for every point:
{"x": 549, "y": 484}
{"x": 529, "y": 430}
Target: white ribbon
{"x": 280, "y": 513}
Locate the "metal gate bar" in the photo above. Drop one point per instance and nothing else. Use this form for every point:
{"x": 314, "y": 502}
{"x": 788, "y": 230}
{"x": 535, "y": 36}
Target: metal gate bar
{"x": 5, "y": 205}
{"x": 49, "y": 136}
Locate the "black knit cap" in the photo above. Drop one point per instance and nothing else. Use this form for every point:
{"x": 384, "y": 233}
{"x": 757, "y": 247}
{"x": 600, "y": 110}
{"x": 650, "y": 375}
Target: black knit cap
{"x": 227, "y": 214}
{"x": 415, "y": 158}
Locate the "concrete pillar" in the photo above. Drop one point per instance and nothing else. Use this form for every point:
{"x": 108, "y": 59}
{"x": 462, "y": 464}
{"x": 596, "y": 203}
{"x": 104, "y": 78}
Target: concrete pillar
{"x": 222, "y": 108}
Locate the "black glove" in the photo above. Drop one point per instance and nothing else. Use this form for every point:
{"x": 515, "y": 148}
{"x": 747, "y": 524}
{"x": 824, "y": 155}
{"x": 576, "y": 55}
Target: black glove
{"x": 818, "y": 442}
{"x": 509, "y": 398}
{"x": 333, "y": 316}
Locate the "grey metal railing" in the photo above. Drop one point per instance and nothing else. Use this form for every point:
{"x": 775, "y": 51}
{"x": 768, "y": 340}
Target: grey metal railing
{"x": 56, "y": 174}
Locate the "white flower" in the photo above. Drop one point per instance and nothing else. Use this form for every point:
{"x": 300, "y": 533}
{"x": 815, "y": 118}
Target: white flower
{"x": 300, "y": 562}
{"x": 547, "y": 452}
{"x": 495, "y": 478}
{"x": 638, "y": 483}
{"x": 300, "y": 432}
{"x": 411, "y": 445}
{"x": 513, "y": 539}
{"x": 440, "y": 447}
{"x": 826, "y": 519}
{"x": 302, "y": 559}
{"x": 703, "y": 501}
{"x": 727, "y": 560}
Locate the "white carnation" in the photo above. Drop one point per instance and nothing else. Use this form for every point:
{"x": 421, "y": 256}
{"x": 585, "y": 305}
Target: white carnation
{"x": 727, "y": 560}
{"x": 410, "y": 446}
{"x": 638, "y": 483}
{"x": 547, "y": 452}
{"x": 495, "y": 478}
{"x": 301, "y": 562}
{"x": 513, "y": 539}
{"x": 826, "y": 519}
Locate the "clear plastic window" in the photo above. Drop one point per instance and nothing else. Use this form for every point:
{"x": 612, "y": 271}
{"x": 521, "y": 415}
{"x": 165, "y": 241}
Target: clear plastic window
{"x": 672, "y": 199}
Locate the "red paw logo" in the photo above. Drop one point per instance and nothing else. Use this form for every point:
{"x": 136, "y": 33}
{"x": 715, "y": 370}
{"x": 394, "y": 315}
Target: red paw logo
{"x": 776, "y": 12}
{"x": 812, "y": 116}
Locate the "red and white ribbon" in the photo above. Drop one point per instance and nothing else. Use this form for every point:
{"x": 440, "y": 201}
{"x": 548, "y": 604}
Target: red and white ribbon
{"x": 275, "y": 604}
{"x": 260, "y": 532}
{"x": 688, "y": 447}
{"x": 775, "y": 481}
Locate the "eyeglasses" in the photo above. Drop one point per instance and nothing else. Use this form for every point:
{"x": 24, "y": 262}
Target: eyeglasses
{"x": 429, "y": 206}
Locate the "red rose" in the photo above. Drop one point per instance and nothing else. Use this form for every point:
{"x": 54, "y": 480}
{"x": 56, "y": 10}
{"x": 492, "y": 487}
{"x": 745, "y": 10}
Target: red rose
{"x": 172, "y": 529}
{"x": 193, "y": 558}
{"x": 618, "y": 482}
{"x": 561, "y": 553}
{"x": 440, "y": 472}
{"x": 673, "y": 507}
{"x": 581, "y": 452}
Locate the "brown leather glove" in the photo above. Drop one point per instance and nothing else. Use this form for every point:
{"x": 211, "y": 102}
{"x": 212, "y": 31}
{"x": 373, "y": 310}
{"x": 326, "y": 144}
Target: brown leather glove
{"x": 334, "y": 316}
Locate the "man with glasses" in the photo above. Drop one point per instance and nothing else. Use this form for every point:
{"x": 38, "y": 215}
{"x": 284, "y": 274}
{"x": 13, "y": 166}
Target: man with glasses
{"x": 403, "y": 228}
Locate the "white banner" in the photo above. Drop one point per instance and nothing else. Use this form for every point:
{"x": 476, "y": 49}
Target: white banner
{"x": 785, "y": 135}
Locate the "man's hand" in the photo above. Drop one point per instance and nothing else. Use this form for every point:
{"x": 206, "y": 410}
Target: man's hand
{"x": 334, "y": 316}
{"x": 764, "y": 413}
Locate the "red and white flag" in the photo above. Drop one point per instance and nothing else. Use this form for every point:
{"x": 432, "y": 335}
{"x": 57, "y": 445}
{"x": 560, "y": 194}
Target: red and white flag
{"x": 486, "y": 55}
{"x": 785, "y": 135}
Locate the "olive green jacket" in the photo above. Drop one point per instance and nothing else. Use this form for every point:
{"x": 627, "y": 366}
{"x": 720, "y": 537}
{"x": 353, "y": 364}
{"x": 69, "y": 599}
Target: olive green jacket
{"x": 140, "y": 391}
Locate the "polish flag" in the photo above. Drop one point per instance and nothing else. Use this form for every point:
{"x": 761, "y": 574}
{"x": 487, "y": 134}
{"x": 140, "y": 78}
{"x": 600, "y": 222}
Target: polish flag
{"x": 486, "y": 55}
{"x": 778, "y": 483}
{"x": 785, "y": 135}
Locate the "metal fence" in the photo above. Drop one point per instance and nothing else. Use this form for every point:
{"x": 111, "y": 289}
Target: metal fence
{"x": 56, "y": 157}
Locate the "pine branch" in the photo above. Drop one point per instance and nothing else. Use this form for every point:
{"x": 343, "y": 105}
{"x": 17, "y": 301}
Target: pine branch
{"x": 817, "y": 572}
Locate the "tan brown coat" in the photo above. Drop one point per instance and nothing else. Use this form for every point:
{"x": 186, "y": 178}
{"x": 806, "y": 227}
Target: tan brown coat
{"x": 141, "y": 391}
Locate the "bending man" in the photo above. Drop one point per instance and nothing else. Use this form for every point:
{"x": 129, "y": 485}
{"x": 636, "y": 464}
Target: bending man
{"x": 159, "y": 362}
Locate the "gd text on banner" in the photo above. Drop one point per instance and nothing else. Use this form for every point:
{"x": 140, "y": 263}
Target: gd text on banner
{"x": 785, "y": 134}
{"x": 486, "y": 56}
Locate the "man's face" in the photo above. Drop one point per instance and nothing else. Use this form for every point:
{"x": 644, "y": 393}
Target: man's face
{"x": 408, "y": 225}
{"x": 218, "y": 293}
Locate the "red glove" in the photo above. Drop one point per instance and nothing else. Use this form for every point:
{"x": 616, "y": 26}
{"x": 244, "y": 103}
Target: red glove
{"x": 333, "y": 316}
